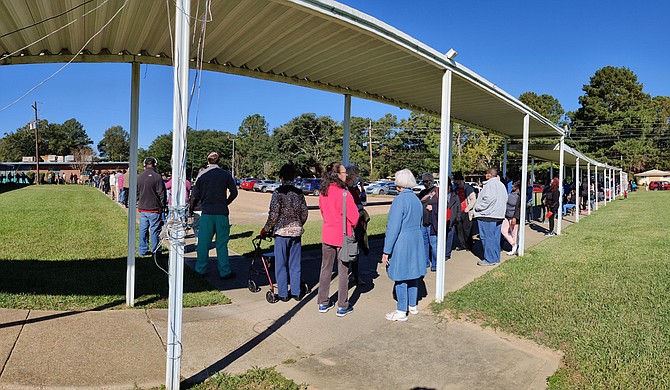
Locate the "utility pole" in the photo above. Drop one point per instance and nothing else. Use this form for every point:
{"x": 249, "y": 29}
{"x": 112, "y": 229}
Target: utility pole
{"x": 37, "y": 153}
{"x": 370, "y": 145}
{"x": 232, "y": 163}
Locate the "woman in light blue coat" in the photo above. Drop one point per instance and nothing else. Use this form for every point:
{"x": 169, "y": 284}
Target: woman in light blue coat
{"x": 404, "y": 253}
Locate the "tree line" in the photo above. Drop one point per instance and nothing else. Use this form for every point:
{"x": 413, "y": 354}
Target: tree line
{"x": 617, "y": 123}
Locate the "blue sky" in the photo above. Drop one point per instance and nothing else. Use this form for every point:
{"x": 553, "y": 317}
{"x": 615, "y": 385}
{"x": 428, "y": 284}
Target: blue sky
{"x": 549, "y": 47}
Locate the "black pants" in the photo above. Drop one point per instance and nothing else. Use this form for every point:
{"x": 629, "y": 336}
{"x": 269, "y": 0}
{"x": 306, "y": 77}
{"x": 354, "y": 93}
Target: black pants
{"x": 584, "y": 201}
{"x": 551, "y": 221}
{"x": 463, "y": 229}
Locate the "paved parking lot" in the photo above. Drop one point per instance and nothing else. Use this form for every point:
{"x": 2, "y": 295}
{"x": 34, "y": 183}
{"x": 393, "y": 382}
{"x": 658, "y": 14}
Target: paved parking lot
{"x": 252, "y": 207}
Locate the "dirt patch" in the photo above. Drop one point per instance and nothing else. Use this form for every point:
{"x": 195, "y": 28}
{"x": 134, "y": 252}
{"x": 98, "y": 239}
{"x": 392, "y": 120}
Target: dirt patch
{"x": 252, "y": 207}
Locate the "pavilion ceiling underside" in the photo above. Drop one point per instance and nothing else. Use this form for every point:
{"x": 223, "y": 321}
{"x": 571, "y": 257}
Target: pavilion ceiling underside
{"x": 258, "y": 38}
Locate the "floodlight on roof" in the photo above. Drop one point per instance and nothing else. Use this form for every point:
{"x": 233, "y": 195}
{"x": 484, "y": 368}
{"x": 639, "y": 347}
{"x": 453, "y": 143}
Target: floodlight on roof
{"x": 451, "y": 54}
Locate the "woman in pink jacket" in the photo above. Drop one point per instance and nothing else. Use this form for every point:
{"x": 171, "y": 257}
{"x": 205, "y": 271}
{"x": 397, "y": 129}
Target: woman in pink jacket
{"x": 330, "y": 203}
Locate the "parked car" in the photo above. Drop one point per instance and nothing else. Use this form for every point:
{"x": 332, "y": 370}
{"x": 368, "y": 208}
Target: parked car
{"x": 262, "y": 185}
{"x": 382, "y": 189}
{"x": 659, "y": 185}
{"x": 272, "y": 187}
{"x": 248, "y": 184}
{"x": 310, "y": 186}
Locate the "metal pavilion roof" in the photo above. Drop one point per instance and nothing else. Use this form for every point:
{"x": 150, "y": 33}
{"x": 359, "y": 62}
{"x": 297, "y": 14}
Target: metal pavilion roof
{"x": 318, "y": 44}
{"x": 552, "y": 152}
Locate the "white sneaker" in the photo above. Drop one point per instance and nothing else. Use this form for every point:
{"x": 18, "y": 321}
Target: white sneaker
{"x": 413, "y": 310}
{"x": 396, "y": 315}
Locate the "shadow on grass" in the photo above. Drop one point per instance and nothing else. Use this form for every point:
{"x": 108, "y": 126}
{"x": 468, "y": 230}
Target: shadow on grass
{"x": 6, "y": 187}
{"x": 89, "y": 281}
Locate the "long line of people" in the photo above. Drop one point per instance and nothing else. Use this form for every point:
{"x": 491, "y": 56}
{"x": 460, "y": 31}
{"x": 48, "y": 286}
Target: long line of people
{"x": 410, "y": 243}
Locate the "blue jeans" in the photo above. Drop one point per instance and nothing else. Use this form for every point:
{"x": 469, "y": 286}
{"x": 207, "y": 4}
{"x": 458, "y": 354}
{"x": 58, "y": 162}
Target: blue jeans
{"x": 430, "y": 244}
{"x": 150, "y": 224}
{"x": 489, "y": 234}
{"x": 122, "y": 196}
{"x": 567, "y": 207}
{"x": 404, "y": 290}
{"x": 450, "y": 240}
{"x": 288, "y": 254}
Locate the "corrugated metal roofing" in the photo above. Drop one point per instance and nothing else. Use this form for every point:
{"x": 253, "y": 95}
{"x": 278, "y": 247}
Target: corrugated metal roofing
{"x": 318, "y": 44}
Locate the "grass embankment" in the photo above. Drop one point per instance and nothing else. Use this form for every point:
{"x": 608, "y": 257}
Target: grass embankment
{"x": 599, "y": 292}
{"x": 64, "y": 248}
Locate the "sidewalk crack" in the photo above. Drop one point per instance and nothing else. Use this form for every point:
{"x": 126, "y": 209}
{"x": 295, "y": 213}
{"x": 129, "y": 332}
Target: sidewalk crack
{"x": 163, "y": 343}
{"x": 9, "y": 355}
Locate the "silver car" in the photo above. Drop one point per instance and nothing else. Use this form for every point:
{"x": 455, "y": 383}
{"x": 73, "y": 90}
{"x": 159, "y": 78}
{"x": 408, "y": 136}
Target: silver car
{"x": 262, "y": 185}
{"x": 382, "y": 189}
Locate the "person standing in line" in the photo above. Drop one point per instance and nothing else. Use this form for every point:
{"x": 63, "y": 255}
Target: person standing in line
{"x": 429, "y": 201}
{"x": 510, "y": 226}
{"x": 403, "y": 246}
{"x": 112, "y": 186}
{"x": 466, "y": 194}
{"x": 126, "y": 185}
{"x": 553, "y": 196}
{"x": 151, "y": 203}
{"x": 454, "y": 207}
{"x": 584, "y": 194}
{"x": 286, "y": 218}
{"x": 360, "y": 230}
{"x": 333, "y": 194}
{"x": 120, "y": 182}
{"x": 216, "y": 190}
{"x": 490, "y": 212}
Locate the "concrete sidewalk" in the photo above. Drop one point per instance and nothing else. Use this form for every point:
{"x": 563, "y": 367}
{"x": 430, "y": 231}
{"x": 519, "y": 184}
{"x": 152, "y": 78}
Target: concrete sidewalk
{"x": 125, "y": 349}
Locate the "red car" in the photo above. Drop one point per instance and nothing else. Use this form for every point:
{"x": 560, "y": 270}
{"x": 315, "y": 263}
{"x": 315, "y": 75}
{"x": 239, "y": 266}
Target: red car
{"x": 248, "y": 184}
{"x": 659, "y": 185}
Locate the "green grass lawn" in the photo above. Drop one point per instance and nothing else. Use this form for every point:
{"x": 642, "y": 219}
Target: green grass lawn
{"x": 600, "y": 293}
{"x": 65, "y": 247}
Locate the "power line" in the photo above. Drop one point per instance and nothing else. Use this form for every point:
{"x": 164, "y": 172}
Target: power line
{"x": 69, "y": 62}
{"x": 51, "y": 33}
{"x": 47, "y": 19}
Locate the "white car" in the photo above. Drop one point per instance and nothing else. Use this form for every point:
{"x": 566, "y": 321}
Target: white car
{"x": 420, "y": 186}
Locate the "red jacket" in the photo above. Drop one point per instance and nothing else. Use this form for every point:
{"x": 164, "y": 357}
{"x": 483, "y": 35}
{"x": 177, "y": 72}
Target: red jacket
{"x": 331, "y": 212}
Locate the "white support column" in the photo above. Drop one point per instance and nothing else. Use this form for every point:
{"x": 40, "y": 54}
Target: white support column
{"x": 577, "y": 183}
{"x": 504, "y": 167}
{"x": 595, "y": 185}
{"x": 346, "y": 137}
{"x": 559, "y": 223}
{"x": 445, "y": 154}
{"x": 606, "y": 186}
{"x": 551, "y": 171}
{"x": 524, "y": 185}
{"x": 450, "y": 165}
{"x": 132, "y": 182}
{"x": 176, "y": 220}
{"x": 532, "y": 170}
{"x": 588, "y": 186}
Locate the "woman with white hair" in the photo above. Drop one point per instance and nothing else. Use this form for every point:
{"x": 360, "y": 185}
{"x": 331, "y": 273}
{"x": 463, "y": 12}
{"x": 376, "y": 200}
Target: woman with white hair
{"x": 404, "y": 254}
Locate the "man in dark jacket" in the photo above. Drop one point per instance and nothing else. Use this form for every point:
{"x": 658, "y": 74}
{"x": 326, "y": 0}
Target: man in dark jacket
{"x": 151, "y": 202}
{"x": 215, "y": 188}
{"x": 428, "y": 197}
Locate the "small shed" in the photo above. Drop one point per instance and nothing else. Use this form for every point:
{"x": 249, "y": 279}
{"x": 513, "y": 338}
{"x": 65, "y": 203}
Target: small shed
{"x": 644, "y": 178}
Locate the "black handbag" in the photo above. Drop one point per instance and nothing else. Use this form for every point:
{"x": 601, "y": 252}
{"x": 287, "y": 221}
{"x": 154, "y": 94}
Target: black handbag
{"x": 349, "y": 250}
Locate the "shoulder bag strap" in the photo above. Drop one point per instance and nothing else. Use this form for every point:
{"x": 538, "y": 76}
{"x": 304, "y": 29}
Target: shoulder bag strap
{"x": 344, "y": 212}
